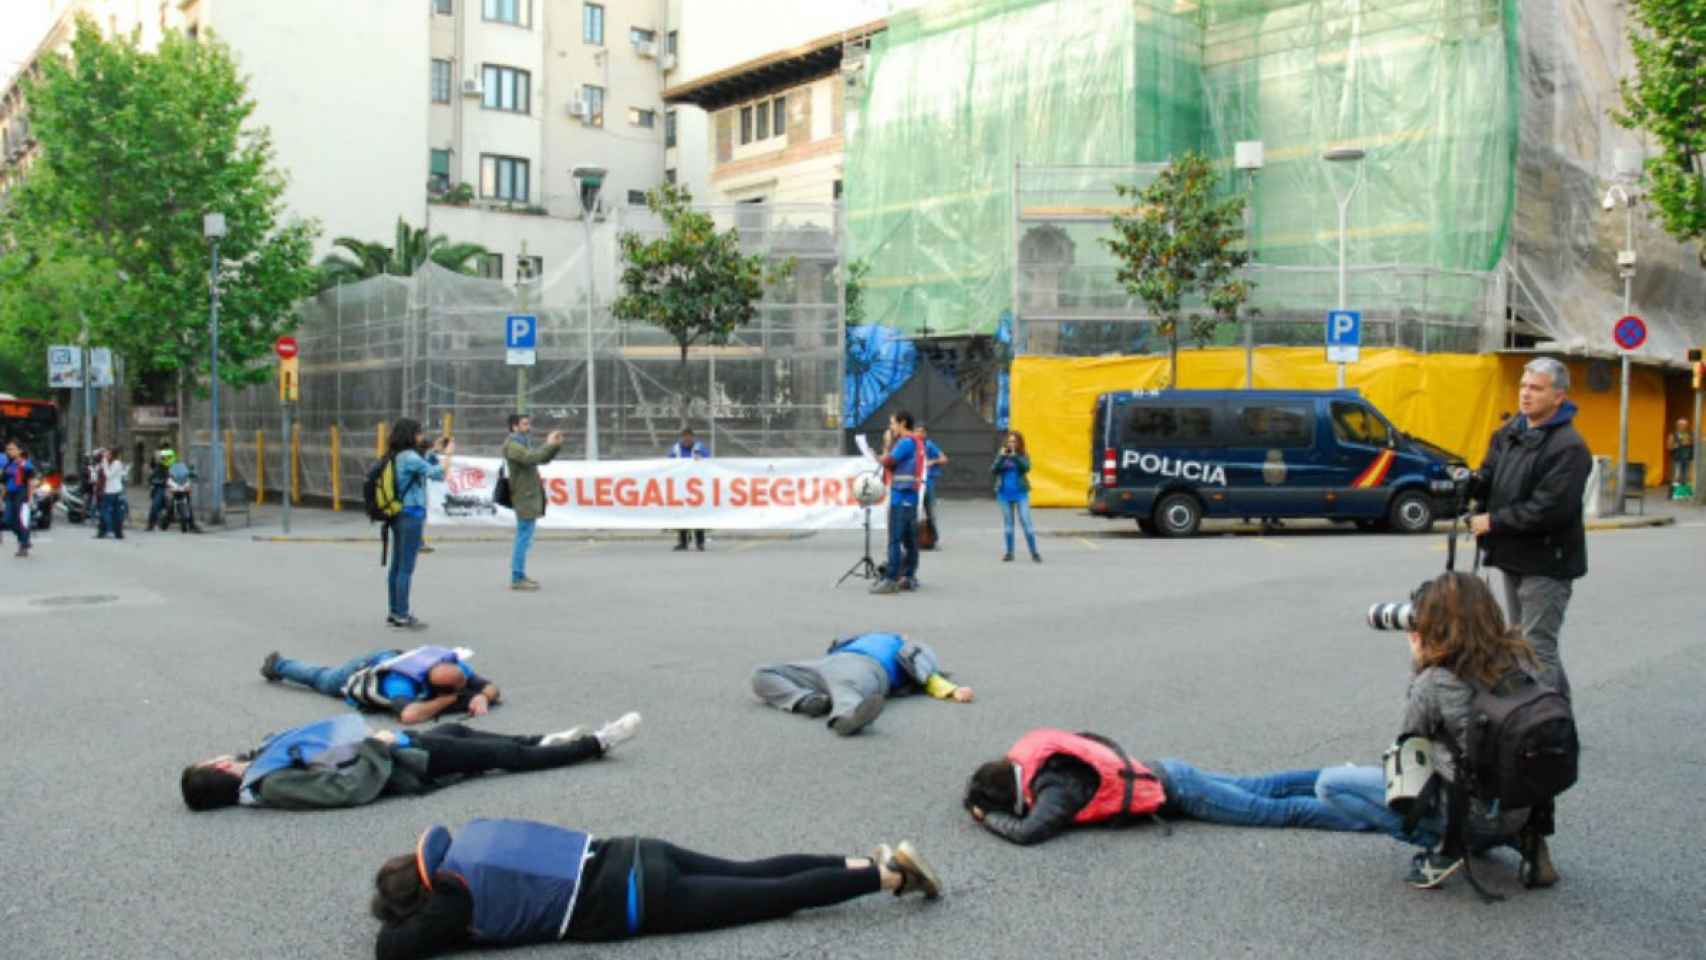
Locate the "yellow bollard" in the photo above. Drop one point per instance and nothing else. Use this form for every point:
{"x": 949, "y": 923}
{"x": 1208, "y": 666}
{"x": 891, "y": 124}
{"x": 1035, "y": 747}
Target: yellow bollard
{"x": 448, "y": 421}
{"x": 296, "y": 463}
{"x": 260, "y": 467}
{"x": 337, "y": 473}
{"x": 230, "y": 456}
{"x": 379, "y": 447}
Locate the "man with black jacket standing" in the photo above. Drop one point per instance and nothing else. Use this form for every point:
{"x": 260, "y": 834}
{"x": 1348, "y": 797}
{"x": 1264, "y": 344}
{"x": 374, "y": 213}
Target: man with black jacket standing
{"x": 1530, "y": 488}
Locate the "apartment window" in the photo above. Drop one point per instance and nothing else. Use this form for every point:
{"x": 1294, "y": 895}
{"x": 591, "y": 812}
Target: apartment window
{"x": 779, "y": 116}
{"x": 763, "y": 126}
{"x": 592, "y": 23}
{"x": 503, "y": 178}
{"x": 669, "y": 175}
{"x": 515, "y": 12}
{"x": 669, "y": 128}
{"x": 506, "y": 88}
{"x": 445, "y": 7}
{"x": 745, "y": 124}
{"x": 529, "y": 268}
{"x": 642, "y": 118}
{"x": 492, "y": 266}
{"x": 441, "y": 81}
{"x": 594, "y": 97}
{"x": 637, "y": 36}
{"x": 636, "y": 198}
{"x": 438, "y": 170}
{"x": 837, "y": 190}
{"x": 671, "y": 41}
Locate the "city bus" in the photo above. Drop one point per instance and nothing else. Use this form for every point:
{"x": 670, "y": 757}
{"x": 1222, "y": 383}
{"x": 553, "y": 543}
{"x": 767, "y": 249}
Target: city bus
{"x": 35, "y": 425}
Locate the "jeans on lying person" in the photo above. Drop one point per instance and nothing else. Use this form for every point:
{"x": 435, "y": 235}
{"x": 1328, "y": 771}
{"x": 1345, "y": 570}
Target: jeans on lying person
{"x": 1284, "y": 799}
{"x": 327, "y": 680}
{"x": 1359, "y": 794}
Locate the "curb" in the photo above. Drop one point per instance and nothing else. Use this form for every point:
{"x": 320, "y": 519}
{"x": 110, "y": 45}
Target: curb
{"x": 1242, "y": 530}
{"x": 609, "y": 536}
{"x": 1628, "y": 524}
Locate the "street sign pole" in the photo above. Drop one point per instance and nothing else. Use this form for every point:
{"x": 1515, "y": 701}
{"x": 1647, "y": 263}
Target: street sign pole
{"x": 289, "y": 379}
{"x": 284, "y": 462}
{"x": 521, "y": 282}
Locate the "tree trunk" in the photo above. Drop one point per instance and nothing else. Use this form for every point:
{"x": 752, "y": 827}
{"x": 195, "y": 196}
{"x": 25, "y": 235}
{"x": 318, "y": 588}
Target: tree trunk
{"x": 681, "y": 386}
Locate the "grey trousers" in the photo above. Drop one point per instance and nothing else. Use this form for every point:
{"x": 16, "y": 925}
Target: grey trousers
{"x": 846, "y": 678}
{"x": 1537, "y": 604}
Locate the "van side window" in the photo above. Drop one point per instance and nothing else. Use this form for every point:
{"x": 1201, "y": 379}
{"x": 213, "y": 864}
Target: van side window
{"x": 1355, "y": 423}
{"x": 1276, "y": 425}
{"x": 1152, "y": 426}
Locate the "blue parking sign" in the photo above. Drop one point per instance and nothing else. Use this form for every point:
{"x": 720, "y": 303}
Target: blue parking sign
{"x": 1344, "y": 335}
{"x": 521, "y": 331}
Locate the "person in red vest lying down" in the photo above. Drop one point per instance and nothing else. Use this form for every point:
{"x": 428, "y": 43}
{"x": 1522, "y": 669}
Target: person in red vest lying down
{"x": 1052, "y": 779}
{"x": 505, "y": 882}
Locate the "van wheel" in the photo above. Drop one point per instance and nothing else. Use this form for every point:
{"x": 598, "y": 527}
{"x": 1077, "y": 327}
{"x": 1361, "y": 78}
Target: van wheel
{"x": 1147, "y": 525}
{"x": 1411, "y": 512}
{"x": 1178, "y": 515}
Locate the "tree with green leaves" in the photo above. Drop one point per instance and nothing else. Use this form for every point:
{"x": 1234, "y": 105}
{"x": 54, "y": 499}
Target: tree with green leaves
{"x": 1667, "y": 98}
{"x": 1182, "y": 241}
{"x": 413, "y": 249}
{"x": 693, "y": 282}
{"x": 135, "y": 147}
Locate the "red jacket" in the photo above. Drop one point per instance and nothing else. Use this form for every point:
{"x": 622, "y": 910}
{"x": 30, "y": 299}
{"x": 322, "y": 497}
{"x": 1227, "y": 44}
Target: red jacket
{"x": 1127, "y": 787}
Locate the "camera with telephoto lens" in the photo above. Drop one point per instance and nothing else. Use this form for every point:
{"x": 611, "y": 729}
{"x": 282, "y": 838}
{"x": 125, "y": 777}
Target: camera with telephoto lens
{"x": 1400, "y": 615}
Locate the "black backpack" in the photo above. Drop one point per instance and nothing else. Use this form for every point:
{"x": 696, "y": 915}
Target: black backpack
{"x": 1522, "y": 747}
{"x": 501, "y": 494}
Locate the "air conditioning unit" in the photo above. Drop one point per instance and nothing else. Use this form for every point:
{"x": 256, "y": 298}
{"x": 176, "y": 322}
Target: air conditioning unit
{"x": 646, "y": 48}
{"x": 471, "y": 88}
{"x": 577, "y": 108}
{"x": 667, "y": 61}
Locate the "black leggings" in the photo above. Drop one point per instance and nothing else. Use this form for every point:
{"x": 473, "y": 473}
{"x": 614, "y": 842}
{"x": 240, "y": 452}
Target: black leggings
{"x": 457, "y": 749}
{"x": 691, "y": 891}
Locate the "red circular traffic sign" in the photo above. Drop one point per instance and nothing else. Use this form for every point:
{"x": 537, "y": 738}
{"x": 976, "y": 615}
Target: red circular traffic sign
{"x": 285, "y": 347}
{"x": 1630, "y": 332}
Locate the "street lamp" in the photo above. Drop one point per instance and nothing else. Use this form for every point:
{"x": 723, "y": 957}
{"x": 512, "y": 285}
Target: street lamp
{"x": 1345, "y": 155}
{"x": 591, "y": 180}
{"x": 1626, "y": 268}
{"x": 1247, "y": 156}
{"x": 213, "y": 228}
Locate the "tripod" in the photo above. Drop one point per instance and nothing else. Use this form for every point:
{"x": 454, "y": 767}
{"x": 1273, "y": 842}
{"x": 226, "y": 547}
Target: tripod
{"x": 864, "y": 568}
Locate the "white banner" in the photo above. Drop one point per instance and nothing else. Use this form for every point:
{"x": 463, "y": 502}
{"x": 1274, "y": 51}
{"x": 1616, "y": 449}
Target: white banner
{"x": 736, "y": 494}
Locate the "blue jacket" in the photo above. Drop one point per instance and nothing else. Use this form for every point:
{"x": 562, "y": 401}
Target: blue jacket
{"x": 413, "y": 471}
{"x": 905, "y": 663}
{"x": 18, "y": 474}
{"x": 931, "y": 452}
{"x": 523, "y": 876}
{"x": 697, "y": 452}
{"x": 908, "y": 468}
{"x": 324, "y": 743}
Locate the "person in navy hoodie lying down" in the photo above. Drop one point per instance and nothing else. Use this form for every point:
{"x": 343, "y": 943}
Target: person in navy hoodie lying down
{"x": 1052, "y": 779}
{"x": 416, "y": 684}
{"x": 342, "y": 762}
{"x": 496, "y": 883}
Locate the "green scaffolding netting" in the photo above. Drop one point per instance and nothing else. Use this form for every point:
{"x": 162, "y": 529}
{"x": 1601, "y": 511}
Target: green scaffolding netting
{"x": 962, "y": 96}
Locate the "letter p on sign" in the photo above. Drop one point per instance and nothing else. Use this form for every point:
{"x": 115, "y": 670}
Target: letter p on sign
{"x": 521, "y": 331}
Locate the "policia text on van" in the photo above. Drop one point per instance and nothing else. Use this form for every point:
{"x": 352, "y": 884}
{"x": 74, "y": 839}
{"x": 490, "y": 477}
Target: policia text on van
{"x": 1171, "y": 459}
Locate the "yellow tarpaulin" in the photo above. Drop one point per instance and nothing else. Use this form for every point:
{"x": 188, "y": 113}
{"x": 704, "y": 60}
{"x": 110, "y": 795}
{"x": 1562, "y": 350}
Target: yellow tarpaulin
{"x": 1453, "y": 400}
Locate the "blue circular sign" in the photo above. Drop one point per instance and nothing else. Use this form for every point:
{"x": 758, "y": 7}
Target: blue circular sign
{"x": 1630, "y": 332}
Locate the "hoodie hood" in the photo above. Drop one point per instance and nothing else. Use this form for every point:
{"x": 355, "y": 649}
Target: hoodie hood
{"x": 1566, "y": 413}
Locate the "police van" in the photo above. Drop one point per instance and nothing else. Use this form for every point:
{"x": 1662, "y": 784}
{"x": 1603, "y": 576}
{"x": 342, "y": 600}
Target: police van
{"x": 1171, "y": 458}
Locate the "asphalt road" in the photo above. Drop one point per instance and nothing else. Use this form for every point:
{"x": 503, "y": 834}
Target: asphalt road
{"x": 119, "y": 663}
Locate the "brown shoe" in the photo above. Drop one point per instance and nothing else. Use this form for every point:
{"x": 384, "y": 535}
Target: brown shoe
{"x": 915, "y": 872}
{"x": 524, "y": 584}
{"x": 1537, "y": 870}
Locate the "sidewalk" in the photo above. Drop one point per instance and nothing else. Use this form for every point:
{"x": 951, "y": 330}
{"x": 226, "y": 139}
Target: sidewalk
{"x": 959, "y": 516}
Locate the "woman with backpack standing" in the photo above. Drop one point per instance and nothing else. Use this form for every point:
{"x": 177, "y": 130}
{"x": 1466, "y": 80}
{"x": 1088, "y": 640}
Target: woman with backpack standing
{"x": 414, "y": 461}
{"x": 1459, "y": 644}
{"x": 1013, "y": 492}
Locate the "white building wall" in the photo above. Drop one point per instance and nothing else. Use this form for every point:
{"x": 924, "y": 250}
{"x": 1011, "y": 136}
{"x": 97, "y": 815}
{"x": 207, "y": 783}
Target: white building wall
{"x": 347, "y": 106}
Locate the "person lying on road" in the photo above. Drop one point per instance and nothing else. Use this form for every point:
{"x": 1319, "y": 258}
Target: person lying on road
{"x": 416, "y": 685}
{"x": 850, "y": 683}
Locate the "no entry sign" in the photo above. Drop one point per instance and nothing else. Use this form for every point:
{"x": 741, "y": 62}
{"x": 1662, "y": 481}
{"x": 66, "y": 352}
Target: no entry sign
{"x": 285, "y": 347}
{"x": 1630, "y": 332}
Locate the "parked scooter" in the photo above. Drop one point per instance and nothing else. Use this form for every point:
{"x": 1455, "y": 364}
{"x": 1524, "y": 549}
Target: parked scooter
{"x": 76, "y": 497}
{"x": 182, "y": 510}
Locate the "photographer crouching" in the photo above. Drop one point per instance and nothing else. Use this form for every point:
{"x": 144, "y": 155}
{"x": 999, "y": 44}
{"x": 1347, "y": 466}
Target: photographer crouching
{"x": 1492, "y": 743}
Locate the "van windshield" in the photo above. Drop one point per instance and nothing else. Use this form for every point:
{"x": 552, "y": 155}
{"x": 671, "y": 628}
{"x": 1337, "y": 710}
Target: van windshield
{"x": 1355, "y": 423}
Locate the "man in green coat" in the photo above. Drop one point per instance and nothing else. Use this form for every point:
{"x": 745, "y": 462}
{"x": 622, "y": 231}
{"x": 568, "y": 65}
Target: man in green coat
{"x": 526, "y": 490}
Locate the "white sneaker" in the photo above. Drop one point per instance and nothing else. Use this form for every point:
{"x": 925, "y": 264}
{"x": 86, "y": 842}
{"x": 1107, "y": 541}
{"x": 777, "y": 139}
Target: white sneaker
{"x": 620, "y": 730}
{"x": 562, "y": 737}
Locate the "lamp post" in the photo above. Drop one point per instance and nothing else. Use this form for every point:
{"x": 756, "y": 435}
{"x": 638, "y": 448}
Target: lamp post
{"x": 213, "y": 228}
{"x": 1247, "y": 156}
{"x": 591, "y": 179}
{"x": 1345, "y": 155}
{"x": 1625, "y": 268}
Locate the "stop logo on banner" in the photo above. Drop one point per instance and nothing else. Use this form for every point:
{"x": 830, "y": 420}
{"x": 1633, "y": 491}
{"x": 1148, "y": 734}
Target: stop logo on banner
{"x": 1630, "y": 332}
{"x": 285, "y": 347}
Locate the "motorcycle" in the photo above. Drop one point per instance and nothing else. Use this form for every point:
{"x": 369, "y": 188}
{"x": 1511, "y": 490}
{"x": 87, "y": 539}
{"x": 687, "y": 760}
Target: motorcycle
{"x": 41, "y": 505}
{"x": 180, "y": 511}
{"x": 74, "y": 497}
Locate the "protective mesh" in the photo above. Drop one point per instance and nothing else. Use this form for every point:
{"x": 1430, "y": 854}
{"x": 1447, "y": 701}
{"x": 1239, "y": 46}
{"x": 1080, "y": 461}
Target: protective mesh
{"x": 432, "y": 345}
{"x": 985, "y": 120}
